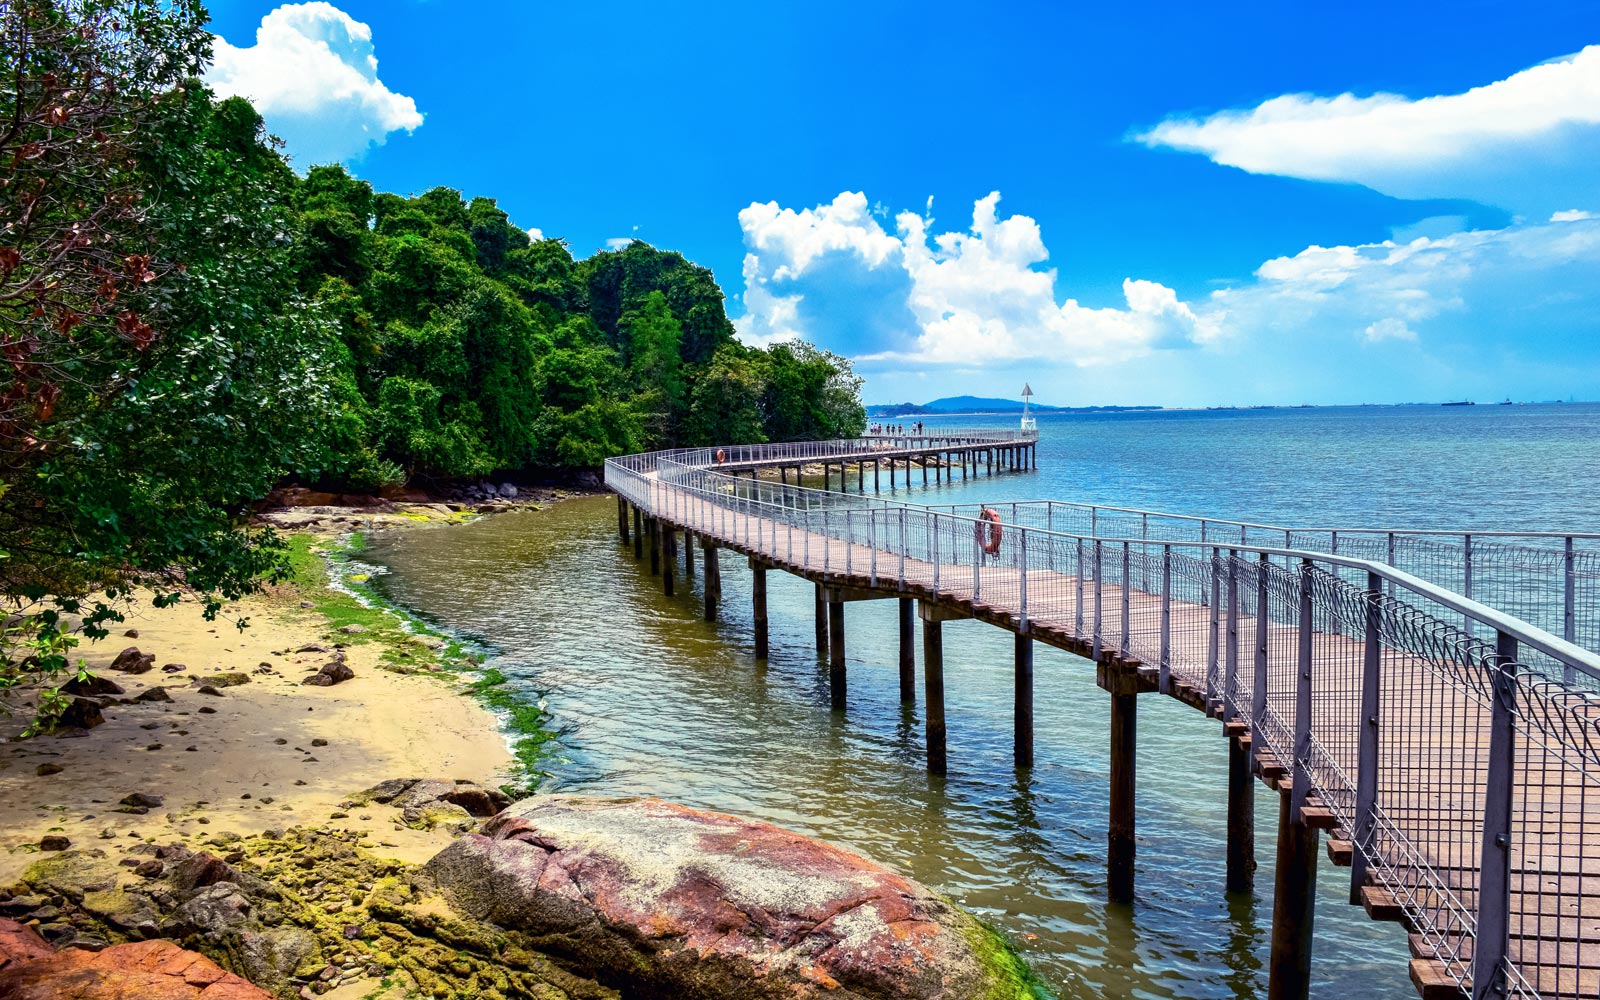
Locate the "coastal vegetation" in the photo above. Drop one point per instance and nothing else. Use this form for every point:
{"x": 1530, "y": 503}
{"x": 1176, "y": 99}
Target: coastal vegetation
{"x": 186, "y": 322}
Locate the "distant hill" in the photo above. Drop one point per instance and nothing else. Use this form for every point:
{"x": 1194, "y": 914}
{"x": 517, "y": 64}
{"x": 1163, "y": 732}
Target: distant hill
{"x": 954, "y": 405}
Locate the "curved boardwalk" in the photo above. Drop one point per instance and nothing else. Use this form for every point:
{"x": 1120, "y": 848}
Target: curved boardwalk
{"x": 1450, "y": 751}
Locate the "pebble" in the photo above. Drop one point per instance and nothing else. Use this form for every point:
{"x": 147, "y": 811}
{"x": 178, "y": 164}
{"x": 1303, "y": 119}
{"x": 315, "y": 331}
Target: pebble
{"x": 132, "y": 633}
{"x": 54, "y": 842}
{"x": 44, "y": 770}
{"x": 319, "y": 742}
{"x": 207, "y": 710}
{"x": 208, "y": 689}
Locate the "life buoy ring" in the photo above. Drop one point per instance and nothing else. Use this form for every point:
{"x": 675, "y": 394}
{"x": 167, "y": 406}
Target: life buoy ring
{"x": 722, "y": 456}
{"x": 989, "y": 539}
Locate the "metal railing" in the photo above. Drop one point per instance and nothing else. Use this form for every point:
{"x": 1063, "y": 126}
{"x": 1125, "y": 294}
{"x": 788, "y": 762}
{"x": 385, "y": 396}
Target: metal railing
{"x": 1549, "y": 579}
{"x": 1458, "y": 745}
{"x": 864, "y": 447}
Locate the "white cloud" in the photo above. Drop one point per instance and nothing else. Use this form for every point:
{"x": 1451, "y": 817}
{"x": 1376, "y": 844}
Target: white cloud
{"x": 1389, "y": 328}
{"x": 618, "y": 242}
{"x": 1527, "y": 141}
{"x": 1571, "y": 215}
{"x": 833, "y": 274}
{"x": 1426, "y": 318}
{"x": 313, "y": 76}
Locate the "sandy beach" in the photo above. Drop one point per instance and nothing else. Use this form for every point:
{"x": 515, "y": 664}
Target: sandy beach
{"x": 269, "y": 753}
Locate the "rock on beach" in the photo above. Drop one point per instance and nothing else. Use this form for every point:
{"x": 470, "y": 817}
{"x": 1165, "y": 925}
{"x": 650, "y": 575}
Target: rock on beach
{"x": 650, "y": 896}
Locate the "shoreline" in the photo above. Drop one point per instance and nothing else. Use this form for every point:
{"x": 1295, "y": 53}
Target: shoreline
{"x": 266, "y": 752}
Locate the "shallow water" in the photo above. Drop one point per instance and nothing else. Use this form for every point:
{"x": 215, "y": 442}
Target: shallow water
{"x": 656, "y": 701}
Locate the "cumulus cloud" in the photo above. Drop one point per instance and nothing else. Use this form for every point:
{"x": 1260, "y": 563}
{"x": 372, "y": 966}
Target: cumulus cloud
{"x": 313, "y": 75}
{"x": 1428, "y": 317}
{"x": 1527, "y": 142}
{"x": 978, "y": 296}
{"x": 1570, "y": 215}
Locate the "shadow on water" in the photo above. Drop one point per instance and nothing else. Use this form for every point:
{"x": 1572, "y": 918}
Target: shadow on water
{"x": 658, "y": 701}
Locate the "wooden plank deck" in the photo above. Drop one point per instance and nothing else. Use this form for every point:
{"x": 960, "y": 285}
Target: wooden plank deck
{"x": 1434, "y": 738}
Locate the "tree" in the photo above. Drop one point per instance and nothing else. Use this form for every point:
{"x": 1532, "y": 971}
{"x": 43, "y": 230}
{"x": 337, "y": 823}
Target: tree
{"x": 725, "y": 406}
{"x": 811, "y": 394}
{"x": 161, "y": 369}
{"x": 651, "y": 337}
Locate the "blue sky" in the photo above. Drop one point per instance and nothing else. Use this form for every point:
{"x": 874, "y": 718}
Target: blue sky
{"x": 1176, "y": 204}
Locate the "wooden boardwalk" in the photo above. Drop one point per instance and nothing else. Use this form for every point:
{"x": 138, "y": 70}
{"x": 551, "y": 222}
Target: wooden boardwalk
{"x": 1421, "y": 866}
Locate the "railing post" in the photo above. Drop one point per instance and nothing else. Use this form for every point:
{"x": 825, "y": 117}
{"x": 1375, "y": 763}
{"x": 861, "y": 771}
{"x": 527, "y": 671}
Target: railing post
{"x": 1212, "y": 644}
{"x": 1367, "y": 739}
{"x": 1301, "y": 765}
{"x": 1569, "y": 603}
{"x": 1466, "y": 587}
{"x": 1492, "y": 944}
{"x": 1230, "y": 683}
{"x": 1022, "y": 579}
{"x": 1050, "y": 525}
{"x": 902, "y": 548}
{"x": 977, "y": 558}
{"x": 933, "y": 525}
{"x": 1097, "y": 599}
{"x": 1078, "y": 624}
{"x": 1127, "y": 601}
{"x": 849, "y": 541}
{"x": 1166, "y": 620}
{"x": 872, "y": 542}
{"x": 1258, "y": 689}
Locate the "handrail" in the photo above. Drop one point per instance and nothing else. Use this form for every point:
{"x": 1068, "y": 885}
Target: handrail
{"x": 1509, "y": 710}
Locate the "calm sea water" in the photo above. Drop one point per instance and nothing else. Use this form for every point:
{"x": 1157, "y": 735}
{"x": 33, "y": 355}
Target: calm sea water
{"x": 653, "y": 700}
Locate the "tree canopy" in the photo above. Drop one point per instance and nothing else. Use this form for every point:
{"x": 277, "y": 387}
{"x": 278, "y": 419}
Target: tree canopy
{"x": 185, "y": 323}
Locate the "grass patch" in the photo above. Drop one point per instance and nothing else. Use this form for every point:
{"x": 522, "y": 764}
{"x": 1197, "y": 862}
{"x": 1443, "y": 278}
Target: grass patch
{"x": 1010, "y": 976}
{"x": 532, "y": 735}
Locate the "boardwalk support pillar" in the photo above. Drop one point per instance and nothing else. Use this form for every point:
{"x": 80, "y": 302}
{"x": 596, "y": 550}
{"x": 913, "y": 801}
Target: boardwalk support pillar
{"x": 1241, "y": 818}
{"x": 822, "y": 623}
{"x": 758, "y": 604}
{"x": 836, "y": 671}
{"x": 653, "y": 530}
{"x": 1293, "y": 907}
{"x": 669, "y": 558}
{"x": 638, "y": 533}
{"x": 908, "y": 655}
{"x": 1124, "y": 685}
{"x": 1022, "y": 710}
{"x": 1295, "y": 887}
{"x": 713, "y": 580}
{"x": 933, "y": 619}
{"x": 622, "y": 518}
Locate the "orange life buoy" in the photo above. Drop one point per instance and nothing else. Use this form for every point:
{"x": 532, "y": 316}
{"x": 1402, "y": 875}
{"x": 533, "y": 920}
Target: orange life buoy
{"x": 990, "y": 539}
{"x": 722, "y": 456}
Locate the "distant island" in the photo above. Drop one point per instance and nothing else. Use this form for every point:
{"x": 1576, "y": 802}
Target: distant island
{"x": 957, "y": 405}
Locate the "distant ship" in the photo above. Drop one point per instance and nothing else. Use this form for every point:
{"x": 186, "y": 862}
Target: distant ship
{"x": 1506, "y": 401}
{"x": 1459, "y": 402}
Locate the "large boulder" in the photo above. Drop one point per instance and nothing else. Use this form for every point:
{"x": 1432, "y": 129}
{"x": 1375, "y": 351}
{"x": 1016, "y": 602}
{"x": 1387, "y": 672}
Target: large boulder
{"x": 661, "y": 900}
{"x": 143, "y": 970}
{"x": 20, "y": 945}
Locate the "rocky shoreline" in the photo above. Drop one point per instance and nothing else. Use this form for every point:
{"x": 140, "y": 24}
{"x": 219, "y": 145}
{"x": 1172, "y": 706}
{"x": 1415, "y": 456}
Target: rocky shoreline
{"x": 204, "y": 802}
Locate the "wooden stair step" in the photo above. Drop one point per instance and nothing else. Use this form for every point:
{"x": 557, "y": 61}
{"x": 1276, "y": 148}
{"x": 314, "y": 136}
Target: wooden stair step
{"x": 1340, "y": 851}
{"x": 1381, "y": 904}
{"x": 1433, "y": 981}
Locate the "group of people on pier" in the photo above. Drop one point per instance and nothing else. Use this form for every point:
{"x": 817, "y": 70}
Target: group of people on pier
{"x": 885, "y": 429}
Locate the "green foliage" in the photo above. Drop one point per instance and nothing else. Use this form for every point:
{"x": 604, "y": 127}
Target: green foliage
{"x": 186, "y": 323}
{"x": 173, "y": 400}
{"x": 471, "y": 350}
